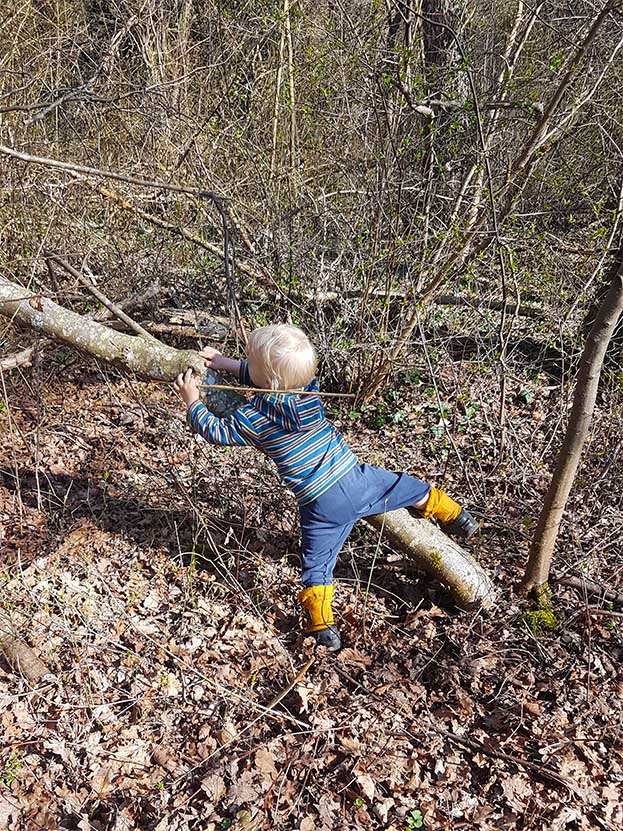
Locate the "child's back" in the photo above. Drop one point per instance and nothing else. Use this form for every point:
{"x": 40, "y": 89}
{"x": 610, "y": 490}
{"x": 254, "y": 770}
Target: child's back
{"x": 310, "y": 454}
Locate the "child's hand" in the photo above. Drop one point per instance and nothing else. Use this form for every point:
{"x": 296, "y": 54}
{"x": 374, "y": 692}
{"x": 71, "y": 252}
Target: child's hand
{"x": 213, "y": 358}
{"x": 185, "y": 385}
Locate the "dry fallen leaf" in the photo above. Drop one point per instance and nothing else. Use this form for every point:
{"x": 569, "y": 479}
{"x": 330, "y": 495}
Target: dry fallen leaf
{"x": 265, "y": 762}
{"x": 349, "y": 744}
{"x": 214, "y": 786}
{"x": 366, "y": 783}
{"x": 352, "y": 657}
{"x": 517, "y": 790}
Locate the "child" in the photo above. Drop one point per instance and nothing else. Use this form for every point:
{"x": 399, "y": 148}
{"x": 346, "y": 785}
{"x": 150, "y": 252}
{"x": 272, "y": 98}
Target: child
{"x": 332, "y": 489}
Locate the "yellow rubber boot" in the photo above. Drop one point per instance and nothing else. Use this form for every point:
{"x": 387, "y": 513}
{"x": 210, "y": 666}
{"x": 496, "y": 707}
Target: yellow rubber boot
{"x": 316, "y": 600}
{"x": 453, "y": 519}
{"x": 440, "y": 506}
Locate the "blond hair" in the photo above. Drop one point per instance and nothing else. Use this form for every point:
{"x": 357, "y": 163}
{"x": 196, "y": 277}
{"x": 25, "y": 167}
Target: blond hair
{"x": 284, "y": 354}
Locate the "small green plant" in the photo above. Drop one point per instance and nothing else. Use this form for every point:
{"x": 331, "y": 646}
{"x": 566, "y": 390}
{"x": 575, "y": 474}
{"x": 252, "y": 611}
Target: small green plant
{"x": 609, "y": 623}
{"x": 471, "y": 408}
{"x": 13, "y": 764}
{"x": 358, "y": 802}
{"x": 3, "y": 408}
{"x": 525, "y": 396}
{"x": 414, "y": 820}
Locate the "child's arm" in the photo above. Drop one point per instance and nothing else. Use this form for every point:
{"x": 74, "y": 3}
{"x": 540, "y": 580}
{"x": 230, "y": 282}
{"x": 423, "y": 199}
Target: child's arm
{"x": 218, "y": 362}
{"x": 235, "y": 429}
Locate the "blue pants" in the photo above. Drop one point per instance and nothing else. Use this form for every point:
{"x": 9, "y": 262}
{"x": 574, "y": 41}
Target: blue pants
{"x": 327, "y": 521}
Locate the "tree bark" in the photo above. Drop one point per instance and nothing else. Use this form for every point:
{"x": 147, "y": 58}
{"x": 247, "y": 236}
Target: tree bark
{"x": 148, "y": 359}
{"x": 544, "y": 541}
{"x": 437, "y": 555}
{"x": 419, "y": 539}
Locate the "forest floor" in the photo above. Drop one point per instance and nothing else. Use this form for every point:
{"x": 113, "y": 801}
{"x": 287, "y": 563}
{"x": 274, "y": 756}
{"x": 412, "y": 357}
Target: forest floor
{"x": 156, "y": 577}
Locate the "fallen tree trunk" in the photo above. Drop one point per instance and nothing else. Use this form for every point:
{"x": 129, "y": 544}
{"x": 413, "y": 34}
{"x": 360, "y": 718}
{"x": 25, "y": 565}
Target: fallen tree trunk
{"x": 147, "y": 358}
{"x": 437, "y": 555}
{"x": 419, "y": 539}
{"x": 477, "y": 303}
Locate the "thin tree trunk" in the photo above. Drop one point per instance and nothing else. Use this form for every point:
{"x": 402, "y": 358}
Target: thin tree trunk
{"x": 419, "y": 539}
{"x": 542, "y": 549}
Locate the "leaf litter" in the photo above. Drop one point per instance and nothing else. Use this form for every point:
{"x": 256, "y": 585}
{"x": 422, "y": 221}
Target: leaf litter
{"x": 156, "y": 577}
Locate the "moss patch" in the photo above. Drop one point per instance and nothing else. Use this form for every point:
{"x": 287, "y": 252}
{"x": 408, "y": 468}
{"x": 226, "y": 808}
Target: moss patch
{"x": 543, "y": 618}
{"x": 437, "y": 560}
{"x": 540, "y": 620}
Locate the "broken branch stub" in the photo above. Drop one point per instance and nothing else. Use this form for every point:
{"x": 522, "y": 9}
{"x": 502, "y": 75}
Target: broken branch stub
{"x": 19, "y": 655}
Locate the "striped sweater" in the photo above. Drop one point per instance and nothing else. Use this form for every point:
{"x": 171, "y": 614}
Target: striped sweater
{"x": 291, "y": 429}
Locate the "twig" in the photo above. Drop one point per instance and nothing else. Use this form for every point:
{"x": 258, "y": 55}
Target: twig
{"x": 273, "y": 156}
{"x": 278, "y": 392}
{"x": 290, "y": 49}
{"x": 441, "y": 300}
{"x": 540, "y": 770}
{"x": 590, "y": 587}
{"x": 596, "y": 610}
{"x": 105, "y": 174}
{"x": 297, "y": 678}
{"x": 112, "y": 307}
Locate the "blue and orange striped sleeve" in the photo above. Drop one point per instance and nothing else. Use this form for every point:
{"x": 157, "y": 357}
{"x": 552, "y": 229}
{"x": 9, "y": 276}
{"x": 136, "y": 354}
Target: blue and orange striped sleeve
{"x": 236, "y": 429}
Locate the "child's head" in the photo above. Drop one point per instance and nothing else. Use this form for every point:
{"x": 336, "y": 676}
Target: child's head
{"x": 281, "y": 357}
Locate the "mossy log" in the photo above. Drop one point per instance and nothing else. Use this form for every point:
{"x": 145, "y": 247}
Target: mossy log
{"x": 418, "y": 539}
